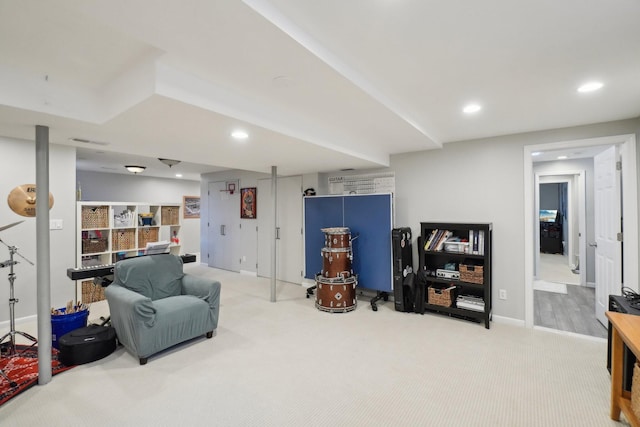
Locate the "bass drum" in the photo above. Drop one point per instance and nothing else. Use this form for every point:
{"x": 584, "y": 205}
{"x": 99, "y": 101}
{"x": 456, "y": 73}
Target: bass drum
{"x": 336, "y": 295}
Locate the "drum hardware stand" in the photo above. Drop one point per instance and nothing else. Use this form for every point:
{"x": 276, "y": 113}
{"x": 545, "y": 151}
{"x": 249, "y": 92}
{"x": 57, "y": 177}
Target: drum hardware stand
{"x": 381, "y": 295}
{"x": 103, "y": 281}
{"x": 11, "y": 348}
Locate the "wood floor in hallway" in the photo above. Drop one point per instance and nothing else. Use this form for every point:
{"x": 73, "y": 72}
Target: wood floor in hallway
{"x": 571, "y": 312}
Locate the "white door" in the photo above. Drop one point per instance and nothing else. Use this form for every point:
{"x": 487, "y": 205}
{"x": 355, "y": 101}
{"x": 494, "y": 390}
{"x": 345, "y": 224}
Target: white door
{"x": 607, "y": 225}
{"x": 289, "y": 229}
{"x": 289, "y": 242}
{"x": 223, "y": 223}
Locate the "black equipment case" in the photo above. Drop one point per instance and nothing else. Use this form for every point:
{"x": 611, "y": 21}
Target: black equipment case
{"x": 403, "y": 293}
{"x": 87, "y": 344}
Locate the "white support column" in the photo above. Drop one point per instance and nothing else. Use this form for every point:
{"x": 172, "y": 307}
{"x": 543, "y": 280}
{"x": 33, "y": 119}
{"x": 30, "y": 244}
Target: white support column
{"x": 274, "y": 197}
{"x": 43, "y": 262}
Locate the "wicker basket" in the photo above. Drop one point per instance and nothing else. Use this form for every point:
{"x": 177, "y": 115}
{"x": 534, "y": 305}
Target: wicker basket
{"x": 146, "y": 235}
{"x": 472, "y": 273}
{"x": 442, "y": 297}
{"x": 124, "y": 239}
{"x": 91, "y": 292}
{"x": 635, "y": 390}
{"x": 95, "y": 217}
{"x": 170, "y": 215}
{"x": 91, "y": 246}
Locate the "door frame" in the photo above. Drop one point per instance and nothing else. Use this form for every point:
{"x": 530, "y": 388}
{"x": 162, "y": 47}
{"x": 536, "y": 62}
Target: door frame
{"x": 574, "y": 209}
{"x": 629, "y": 174}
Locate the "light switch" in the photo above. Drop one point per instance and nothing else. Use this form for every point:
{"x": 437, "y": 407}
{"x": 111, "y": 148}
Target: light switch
{"x": 55, "y": 224}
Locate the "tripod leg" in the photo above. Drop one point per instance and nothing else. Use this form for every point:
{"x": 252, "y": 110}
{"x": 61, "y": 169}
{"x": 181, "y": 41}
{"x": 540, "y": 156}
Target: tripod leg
{"x": 27, "y": 336}
{"x": 11, "y": 383}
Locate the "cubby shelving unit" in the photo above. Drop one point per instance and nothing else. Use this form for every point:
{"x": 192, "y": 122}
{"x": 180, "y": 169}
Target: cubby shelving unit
{"x": 110, "y": 231}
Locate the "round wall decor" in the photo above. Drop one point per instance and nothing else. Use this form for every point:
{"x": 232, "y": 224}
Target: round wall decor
{"x": 22, "y": 200}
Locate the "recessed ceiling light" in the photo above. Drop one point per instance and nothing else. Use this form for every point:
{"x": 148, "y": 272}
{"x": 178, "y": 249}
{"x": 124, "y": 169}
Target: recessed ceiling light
{"x": 472, "y": 108}
{"x": 562, "y": 157}
{"x": 590, "y": 87}
{"x": 536, "y": 153}
{"x": 178, "y": 175}
{"x": 239, "y": 134}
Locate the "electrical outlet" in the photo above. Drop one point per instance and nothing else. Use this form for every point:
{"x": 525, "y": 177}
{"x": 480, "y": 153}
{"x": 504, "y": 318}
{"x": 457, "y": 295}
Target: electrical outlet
{"x": 503, "y": 294}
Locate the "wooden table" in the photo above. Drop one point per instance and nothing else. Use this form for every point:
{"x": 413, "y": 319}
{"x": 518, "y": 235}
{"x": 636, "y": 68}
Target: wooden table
{"x": 625, "y": 330}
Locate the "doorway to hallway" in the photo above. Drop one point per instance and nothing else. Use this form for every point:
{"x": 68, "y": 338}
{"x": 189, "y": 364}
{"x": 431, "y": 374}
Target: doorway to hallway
{"x": 555, "y": 302}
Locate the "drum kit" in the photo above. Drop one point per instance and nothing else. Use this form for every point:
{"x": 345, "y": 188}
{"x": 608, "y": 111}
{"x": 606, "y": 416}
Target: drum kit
{"x": 336, "y": 284}
{"x": 10, "y": 345}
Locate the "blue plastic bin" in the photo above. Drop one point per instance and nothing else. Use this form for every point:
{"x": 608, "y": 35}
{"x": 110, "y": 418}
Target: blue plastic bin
{"x": 63, "y": 323}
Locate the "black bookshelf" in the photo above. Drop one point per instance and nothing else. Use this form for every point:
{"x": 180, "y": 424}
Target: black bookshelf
{"x": 452, "y": 256}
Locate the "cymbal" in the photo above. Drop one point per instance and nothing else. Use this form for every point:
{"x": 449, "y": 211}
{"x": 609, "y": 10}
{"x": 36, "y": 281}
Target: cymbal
{"x": 22, "y": 200}
{"x": 4, "y": 227}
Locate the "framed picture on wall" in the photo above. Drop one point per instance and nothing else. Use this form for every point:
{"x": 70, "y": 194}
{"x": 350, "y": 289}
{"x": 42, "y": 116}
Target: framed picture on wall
{"x": 248, "y": 208}
{"x": 191, "y": 206}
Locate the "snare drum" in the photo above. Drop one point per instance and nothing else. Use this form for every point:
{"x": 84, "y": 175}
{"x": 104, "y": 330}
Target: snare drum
{"x": 336, "y": 262}
{"x": 337, "y": 237}
{"x": 336, "y": 295}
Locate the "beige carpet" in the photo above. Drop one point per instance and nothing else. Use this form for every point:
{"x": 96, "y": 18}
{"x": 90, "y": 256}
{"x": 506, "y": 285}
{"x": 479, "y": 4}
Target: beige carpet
{"x": 289, "y": 364}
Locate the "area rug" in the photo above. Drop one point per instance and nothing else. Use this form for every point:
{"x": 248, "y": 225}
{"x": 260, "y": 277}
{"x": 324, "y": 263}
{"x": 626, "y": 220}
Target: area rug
{"x": 543, "y": 285}
{"x": 22, "y": 369}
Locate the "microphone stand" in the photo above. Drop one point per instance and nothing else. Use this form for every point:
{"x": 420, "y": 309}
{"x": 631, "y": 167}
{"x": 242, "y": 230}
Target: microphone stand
{"x": 12, "y": 301}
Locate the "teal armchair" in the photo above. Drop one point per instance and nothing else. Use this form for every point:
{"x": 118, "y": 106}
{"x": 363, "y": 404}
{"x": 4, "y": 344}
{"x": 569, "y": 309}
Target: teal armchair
{"x": 154, "y": 305}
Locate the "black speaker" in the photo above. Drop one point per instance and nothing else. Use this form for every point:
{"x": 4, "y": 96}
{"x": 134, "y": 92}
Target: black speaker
{"x": 403, "y": 292}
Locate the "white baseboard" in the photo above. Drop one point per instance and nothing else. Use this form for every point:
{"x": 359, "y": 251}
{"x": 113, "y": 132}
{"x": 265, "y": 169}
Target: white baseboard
{"x": 6, "y": 325}
{"x": 591, "y": 284}
{"x": 570, "y": 334}
{"x": 249, "y": 273}
{"x": 507, "y": 320}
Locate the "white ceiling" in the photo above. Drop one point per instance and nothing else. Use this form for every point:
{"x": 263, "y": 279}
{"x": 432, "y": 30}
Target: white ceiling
{"x": 318, "y": 85}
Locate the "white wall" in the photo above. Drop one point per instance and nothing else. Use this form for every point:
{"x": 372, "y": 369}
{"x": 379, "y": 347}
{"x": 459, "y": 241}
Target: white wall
{"x": 113, "y": 187}
{"x": 17, "y": 163}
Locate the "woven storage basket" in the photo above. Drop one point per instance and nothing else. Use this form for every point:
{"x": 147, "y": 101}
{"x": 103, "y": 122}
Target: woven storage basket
{"x": 95, "y": 217}
{"x": 146, "y": 235}
{"x": 91, "y": 246}
{"x": 124, "y": 239}
{"x": 91, "y": 292}
{"x": 170, "y": 215}
{"x": 442, "y": 297}
{"x": 472, "y": 274}
{"x": 635, "y": 390}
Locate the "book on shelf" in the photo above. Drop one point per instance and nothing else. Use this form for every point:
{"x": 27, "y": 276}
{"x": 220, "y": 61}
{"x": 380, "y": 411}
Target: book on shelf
{"x": 443, "y": 238}
{"x": 430, "y": 239}
{"x": 476, "y": 239}
{"x": 470, "y": 302}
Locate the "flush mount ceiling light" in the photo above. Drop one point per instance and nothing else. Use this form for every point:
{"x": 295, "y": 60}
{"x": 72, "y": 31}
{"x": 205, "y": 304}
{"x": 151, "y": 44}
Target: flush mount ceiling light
{"x": 239, "y": 134}
{"x": 471, "y": 108}
{"x": 169, "y": 162}
{"x": 590, "y": 87}
{"x": 135, "y": 169}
